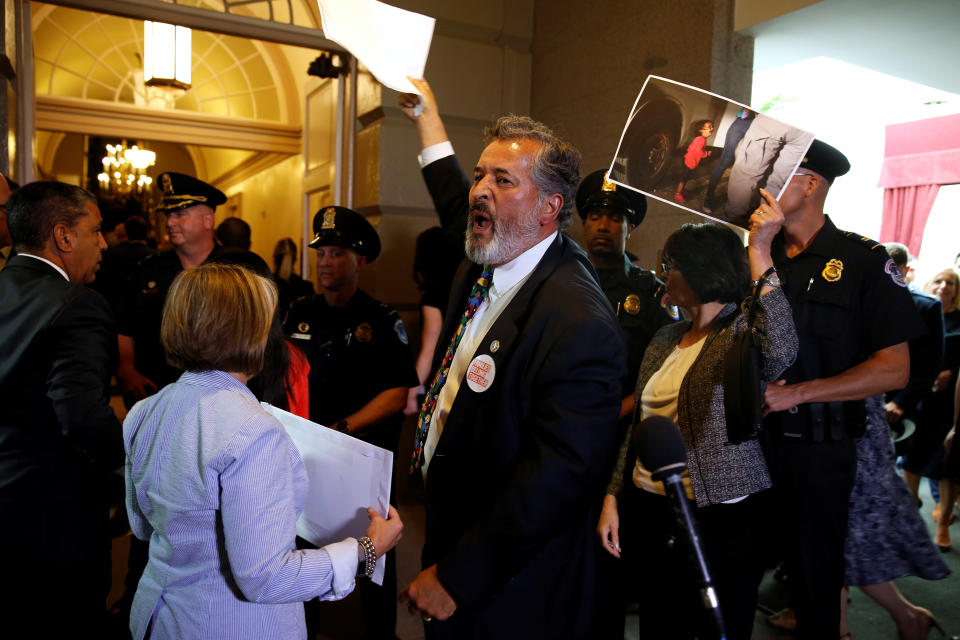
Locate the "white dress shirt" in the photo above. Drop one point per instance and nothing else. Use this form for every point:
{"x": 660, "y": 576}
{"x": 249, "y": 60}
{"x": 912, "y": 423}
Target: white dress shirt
{"x": 434, "y": 152}
{"x": 508, "y": 278}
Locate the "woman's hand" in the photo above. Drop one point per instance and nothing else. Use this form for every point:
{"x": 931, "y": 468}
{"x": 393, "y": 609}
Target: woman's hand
{"x": 765, "y": 222}
{"x": 384, "y": 533}
{"x": 609, "y": 526}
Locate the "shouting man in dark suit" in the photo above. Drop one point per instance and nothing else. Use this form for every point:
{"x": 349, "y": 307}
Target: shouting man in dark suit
{"x": 59, "y": 437}
{"x": 518, "y": 425}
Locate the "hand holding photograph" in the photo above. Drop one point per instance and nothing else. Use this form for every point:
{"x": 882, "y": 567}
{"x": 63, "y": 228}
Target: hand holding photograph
{"x": 704, "y": 153}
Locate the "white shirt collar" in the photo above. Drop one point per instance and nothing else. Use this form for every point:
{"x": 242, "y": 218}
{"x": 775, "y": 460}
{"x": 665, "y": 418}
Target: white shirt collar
{"x": 57, "y": 267}
{"x": 507, "y": 275}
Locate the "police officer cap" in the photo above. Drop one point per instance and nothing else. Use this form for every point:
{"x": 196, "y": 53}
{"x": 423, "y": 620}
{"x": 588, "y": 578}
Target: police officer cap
{"x": 344, "y": 227}
{"x": 596, "y": 192}
{"x": 825, "y": 160}
{"x": 181, "y": 191}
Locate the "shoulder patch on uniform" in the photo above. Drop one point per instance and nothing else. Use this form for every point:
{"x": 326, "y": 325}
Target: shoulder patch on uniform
{"x": 867, "y": 242}
{"x": 671, "y": 309}
{"x": 401, "y": 331}
{"x": 890, "y": 268}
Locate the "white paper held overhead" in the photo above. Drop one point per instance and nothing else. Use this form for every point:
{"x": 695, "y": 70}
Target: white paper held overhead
{"x": 391, "y": 42}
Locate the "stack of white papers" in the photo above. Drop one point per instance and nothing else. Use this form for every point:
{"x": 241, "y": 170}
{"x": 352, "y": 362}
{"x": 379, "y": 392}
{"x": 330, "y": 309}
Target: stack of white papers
{"x": 346, "y": 476}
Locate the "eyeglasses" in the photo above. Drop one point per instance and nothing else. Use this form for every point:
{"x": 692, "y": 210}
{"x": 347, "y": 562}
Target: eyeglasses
{"x": 667, "y": 265}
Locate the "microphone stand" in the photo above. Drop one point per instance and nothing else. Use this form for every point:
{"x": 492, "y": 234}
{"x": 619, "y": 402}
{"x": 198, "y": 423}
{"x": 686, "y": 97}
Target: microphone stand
{"x": 673, "y": 484}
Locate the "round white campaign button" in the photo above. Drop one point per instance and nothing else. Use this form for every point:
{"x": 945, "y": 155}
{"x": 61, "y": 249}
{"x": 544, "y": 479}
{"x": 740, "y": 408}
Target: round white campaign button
{"x": 480, "y": 373}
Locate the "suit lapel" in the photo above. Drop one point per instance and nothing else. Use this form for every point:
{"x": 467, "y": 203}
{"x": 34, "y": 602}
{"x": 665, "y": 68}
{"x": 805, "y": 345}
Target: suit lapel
{"x": 499, "y": 341}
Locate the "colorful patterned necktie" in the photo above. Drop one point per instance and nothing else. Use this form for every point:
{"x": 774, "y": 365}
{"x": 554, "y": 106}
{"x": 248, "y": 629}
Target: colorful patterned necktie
{"x": 477, "y": 295}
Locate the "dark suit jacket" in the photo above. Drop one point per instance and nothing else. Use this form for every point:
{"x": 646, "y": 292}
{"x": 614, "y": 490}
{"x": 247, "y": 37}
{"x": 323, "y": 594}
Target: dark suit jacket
{"x": 512, "y": 487}
{"x": 59, "y": 437}
{"x": 926, "y": 354}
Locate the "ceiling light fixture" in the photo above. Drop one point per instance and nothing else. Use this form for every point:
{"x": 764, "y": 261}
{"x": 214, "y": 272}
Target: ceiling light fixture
{"x": 166, "y": 56}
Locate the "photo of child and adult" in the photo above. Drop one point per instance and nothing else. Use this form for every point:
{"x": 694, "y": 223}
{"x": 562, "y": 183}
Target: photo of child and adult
{"x": 704, "y": 153}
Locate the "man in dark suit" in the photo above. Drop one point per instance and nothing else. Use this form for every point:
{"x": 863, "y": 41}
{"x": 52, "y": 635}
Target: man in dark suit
{"x": 926, "y": 351}
{"x": 59, "y": 437}
{"x": 519, "y": 429}
{"x": 926, "y": 361}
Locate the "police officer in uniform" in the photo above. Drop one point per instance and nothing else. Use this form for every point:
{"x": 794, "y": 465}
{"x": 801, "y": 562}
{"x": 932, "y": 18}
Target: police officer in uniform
{"x": 854, "y": 317}
{"x": 189, "y": 205}
{"x": 609, "y": 214}
{"x": 360, "y": 364}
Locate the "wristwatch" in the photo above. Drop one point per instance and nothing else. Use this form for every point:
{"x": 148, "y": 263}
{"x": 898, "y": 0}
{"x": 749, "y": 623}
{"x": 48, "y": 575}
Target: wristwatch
{"x": 769, "y": 277}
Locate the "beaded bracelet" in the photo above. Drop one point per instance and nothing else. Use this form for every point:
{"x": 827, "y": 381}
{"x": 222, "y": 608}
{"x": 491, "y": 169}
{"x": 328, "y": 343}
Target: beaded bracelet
{"x": 369, "y": 557}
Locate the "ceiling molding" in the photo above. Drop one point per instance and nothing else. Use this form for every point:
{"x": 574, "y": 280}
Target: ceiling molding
{"x": 98, "y": 117}
{"x": 208, "y": 20}
{"x": 247, "y": 169}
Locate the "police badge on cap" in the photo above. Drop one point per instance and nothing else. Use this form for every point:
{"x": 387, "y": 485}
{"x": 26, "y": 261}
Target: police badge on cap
{"x": 342, "y": 227}
{"x": 597, "y": 192}
{"x": 180, "y": 191}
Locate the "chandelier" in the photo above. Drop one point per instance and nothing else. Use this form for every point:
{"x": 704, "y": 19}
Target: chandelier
{"x": 124, "y": 170}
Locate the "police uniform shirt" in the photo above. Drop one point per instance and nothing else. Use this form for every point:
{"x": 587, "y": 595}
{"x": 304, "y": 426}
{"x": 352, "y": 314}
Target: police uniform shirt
{"x": 637, "y": 297}
{"x": 141, "y": 311}
{"x": 355, "y": 352}
{"x": 848, "y": 302}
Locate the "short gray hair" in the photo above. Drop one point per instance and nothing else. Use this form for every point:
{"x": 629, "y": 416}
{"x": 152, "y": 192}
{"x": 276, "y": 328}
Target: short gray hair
{"x": 556, "y": 169}
{"x": 899, "y": 252}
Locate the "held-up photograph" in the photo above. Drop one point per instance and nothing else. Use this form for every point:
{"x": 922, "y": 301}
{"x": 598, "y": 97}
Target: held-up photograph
{"x": 703, "y": 152}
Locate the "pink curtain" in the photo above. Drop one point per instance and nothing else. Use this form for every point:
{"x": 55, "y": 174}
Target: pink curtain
{"x": 919, "y": 156}
{"x": 905, "y": 213}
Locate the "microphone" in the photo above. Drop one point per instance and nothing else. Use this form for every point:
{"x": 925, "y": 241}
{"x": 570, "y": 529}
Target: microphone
{"x": 661, "y": 451}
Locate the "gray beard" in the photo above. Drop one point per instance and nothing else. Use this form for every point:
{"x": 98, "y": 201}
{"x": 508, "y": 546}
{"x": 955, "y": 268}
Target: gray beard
{"x": 509, "y": 240}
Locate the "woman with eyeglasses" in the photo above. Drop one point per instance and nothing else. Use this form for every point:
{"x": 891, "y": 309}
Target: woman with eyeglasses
{"x": 707, "y": 274}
